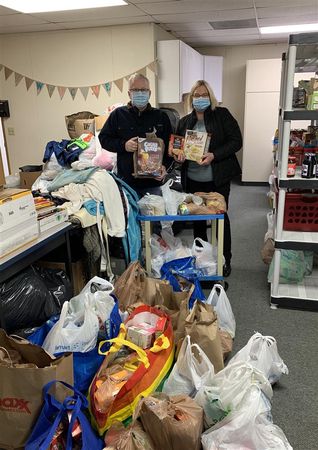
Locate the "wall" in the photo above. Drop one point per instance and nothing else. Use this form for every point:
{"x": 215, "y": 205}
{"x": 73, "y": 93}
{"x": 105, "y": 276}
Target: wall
{"x": 67, "y": 58}
{"x": 234, "y": 70}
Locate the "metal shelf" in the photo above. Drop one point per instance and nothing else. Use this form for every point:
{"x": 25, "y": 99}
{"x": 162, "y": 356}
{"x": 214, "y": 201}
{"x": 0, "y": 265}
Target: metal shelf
{"x": 297, "y": 240}
{"x": 301, "y": 114}
{"x": 297, "y": 182}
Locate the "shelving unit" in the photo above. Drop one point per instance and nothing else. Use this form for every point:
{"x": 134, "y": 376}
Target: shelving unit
{"x": 301, "y": 57}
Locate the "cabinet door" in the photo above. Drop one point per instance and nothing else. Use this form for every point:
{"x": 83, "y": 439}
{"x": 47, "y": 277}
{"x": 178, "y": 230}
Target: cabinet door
{"x": 213, "y": 74}
{"x": 168, "y": 53}
{"x": 191, "y": 68}
{"x": 260, "y": 123}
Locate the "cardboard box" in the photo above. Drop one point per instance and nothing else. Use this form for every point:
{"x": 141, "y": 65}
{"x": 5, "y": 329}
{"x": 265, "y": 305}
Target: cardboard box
{"x": 17, "y": 236}
{"x": 312, "y": 102}
{"x": 16, "y": 206}
{"x": 78, "y": 272}
{"x": 100, "y": 122}
{"x": 52, "y": 220}
{"x": 2, "y": 177}
{"x": 28, "y": 178}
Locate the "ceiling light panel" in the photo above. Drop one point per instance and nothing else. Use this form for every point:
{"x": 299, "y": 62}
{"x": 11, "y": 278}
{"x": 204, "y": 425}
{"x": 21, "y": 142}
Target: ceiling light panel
{"x": 36, "y": 6}
{"x": 300, "y": 28}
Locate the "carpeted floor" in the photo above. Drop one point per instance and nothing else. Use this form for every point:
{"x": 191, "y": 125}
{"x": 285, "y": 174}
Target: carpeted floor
{"x": 295, "y": 401}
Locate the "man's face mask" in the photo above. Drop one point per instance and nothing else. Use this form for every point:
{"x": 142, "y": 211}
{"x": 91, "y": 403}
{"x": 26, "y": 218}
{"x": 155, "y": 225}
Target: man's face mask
{"x": 139, "y": 98}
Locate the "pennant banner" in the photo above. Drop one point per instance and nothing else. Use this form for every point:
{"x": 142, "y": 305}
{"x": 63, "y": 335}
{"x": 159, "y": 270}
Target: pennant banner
{"x": 18, "y": 77}
{"x": 73, "y": 90}
{"x": 61, "y": 91}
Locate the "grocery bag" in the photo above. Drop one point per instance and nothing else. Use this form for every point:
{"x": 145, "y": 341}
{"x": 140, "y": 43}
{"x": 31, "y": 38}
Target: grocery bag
{"x": 173, "y": 423}
{"x": 225, "y": 394}
{"x": 202, "y": 326}
{"x": 205, "y": 256}
{"x": 149, "y": 367}
{"x": 132, "y": 437}
{"x": 222, "y": 306}
{"x": 21, "y": 386}
{"x": 261, "y": 352}
{"x": 192, "y": 371}
{"x": 249, "y": 427}
{"x": 63, "y": 425}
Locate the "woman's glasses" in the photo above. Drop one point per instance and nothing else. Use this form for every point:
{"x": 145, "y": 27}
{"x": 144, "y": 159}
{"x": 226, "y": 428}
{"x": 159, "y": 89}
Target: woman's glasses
{"x": 201, "y": 95}
{"x": 139, "y": 90}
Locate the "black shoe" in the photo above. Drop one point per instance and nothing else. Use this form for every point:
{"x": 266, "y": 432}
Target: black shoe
{"x": 227, "y": 269}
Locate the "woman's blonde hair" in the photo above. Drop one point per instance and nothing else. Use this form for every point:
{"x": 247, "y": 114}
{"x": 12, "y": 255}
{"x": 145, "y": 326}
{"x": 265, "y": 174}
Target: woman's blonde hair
{"x": 213, "y": 100}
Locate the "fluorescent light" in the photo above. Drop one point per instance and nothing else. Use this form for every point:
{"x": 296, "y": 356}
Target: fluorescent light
{"x": 36, "y": 6}
{"x": 289, "y": 28}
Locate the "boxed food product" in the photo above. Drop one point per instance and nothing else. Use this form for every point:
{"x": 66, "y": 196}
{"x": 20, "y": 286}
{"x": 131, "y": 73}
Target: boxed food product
{"x": 141, "y": 336}
{"x": 176, "y": 146}
{"x": 312, "y": 102}
{"x": 148, "y": 157}
{"x": 196, "y": 144}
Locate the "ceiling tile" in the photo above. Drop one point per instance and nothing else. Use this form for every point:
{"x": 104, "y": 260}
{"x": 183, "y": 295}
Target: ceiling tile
{"x": 268, "y": 22}
{"x": 140, "y": 2}
{"x": 188, "y": 26}
{"x": 14, "y": 20}
{"x": 288, "y": 3}
{"x": 218, "y": 33}
{"x": 88, "y": 14}
{"x": 264, "y": 13}
{"x": 6, "y": 11}
{"x": 206, "y": 16}
{"x": 187, "y": 6}
{"x": 104, "y": 22}
{"x": 31, "y": 28}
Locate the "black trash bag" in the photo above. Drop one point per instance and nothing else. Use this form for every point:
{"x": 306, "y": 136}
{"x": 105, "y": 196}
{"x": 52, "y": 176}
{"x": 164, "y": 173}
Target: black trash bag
{"x": 27, "y": 301}
{"x": 57, "y": 283}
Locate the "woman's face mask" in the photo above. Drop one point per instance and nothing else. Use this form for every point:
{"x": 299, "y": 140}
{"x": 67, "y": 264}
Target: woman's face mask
{"x": 140, "y": 98}
{"x": 200, "y": 104}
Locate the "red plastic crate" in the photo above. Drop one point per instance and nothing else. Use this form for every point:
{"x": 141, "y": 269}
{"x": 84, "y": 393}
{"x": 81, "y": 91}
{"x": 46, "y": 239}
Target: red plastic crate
{"x": 301, "y": 212}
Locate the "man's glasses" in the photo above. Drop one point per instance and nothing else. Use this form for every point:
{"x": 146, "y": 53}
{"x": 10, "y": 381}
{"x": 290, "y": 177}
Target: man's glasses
{"x": 138, "y": 90}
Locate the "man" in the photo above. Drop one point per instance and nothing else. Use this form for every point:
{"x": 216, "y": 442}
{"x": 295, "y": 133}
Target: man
{"x": 125, "y": 124}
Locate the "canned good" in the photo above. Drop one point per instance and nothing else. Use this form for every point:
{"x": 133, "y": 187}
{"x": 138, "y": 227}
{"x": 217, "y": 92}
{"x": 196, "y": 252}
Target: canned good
{"x": 308, "y": 169}
{"x": 291, "y": 169}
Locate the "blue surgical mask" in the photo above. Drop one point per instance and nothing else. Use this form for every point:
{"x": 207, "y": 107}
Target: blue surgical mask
{"x": 200, "y": 104}
{"x": 140, "y": 98}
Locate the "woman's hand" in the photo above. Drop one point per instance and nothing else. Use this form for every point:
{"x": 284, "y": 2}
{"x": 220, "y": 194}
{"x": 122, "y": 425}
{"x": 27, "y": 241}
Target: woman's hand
{"x": 180, "y": 157}
{"x": 206, "y": 159}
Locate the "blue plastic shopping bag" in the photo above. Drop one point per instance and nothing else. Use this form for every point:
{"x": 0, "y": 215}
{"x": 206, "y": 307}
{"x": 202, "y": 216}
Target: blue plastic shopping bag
{"x": 185, "y": 268}
{"x": 54, "y": 414}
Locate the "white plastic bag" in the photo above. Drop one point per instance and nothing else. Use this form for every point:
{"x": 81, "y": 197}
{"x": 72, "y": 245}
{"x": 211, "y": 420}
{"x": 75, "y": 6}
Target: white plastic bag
{"x": 205, "y": 256}
{"x": 73, "y": 332}
{"x": 192, "y": 371}
{"x": 152, "y": 205}
{"x": 249, "y": 428}
{"x": 172, "y": 198}
{"x": 228, "y": 389}
{"x": 223, "y": 309}
{"x": 261, "y": 352}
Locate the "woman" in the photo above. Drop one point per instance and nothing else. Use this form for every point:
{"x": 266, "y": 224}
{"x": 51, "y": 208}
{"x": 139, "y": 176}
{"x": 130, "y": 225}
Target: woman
{"x": 217, "y": 167}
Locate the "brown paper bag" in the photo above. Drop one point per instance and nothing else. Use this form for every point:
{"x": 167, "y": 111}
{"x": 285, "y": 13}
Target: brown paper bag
{"x": 226, "y": 342}
{"x": 131, "y": 438}
{"x": 202, "y": 326}
{"x": 173, "y": 423}
{"x": 21, "y": 388}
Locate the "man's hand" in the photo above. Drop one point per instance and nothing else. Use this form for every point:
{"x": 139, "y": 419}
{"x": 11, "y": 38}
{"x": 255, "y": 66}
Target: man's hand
{"x": 163, "y": 174}
{"x": 131, "y": 145}
{"x": 206, "y": 159}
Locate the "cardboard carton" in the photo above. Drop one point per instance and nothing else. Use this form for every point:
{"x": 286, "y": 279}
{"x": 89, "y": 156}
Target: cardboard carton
{"x": 28, "y": 178}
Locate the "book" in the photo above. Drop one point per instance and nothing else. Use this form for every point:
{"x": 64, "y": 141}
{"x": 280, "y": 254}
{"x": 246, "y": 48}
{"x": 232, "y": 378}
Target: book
{"x": 196, "y": 144}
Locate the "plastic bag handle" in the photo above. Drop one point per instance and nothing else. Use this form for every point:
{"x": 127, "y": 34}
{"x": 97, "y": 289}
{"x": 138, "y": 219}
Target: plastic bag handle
{"x": 142, "y": 355}
{"x": 256, "y": 339}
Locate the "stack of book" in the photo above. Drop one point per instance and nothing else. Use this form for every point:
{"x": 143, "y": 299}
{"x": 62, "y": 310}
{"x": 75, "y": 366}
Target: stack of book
{"x": 48, "y": 214}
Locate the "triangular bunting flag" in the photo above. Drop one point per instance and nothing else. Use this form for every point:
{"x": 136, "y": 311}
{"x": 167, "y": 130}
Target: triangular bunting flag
{"x": 73, "y": 91}
{"x": 96, "y": 90}
{"x": 62, "y": 91}
{"x": 18, "y": 77}
{"x": 143, "y": 71}
{"x": 153, "y": 67}
{"x": 39, "y": 87}
{"x": 108, "y": 87}
{"x": 28, "y": 82}
{"x": 84, "y": 91}
{"x": 119, "y": 83}
{"x": 7, "y": 72}
{"x": 50, "y": 89}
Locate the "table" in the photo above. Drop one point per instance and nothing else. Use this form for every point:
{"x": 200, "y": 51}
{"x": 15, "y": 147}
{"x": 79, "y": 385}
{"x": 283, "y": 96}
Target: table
{"x": 217, "y": 229}
{"x": 31, "y": 252}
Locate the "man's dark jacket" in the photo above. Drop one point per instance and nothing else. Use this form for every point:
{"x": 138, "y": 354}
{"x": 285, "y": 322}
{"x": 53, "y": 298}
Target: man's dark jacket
{"x": 127, "y": 122}
{"x": 226, "y": 140}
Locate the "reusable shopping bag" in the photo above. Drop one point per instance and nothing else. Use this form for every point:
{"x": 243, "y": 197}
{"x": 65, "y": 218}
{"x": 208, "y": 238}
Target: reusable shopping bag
{"x": 222, "y": 306}
{"x": 132, "y": 437}
{"x": 250, "y": 427}
{"x": 173, "y": 423}
{"x": 202, "y": 326}
{"x": 149, "y": 367}
{"x": 27, "y": 370}
{"x": 192, "y": 371}
{"x": 261, "y": 352}
{"x": 224, "y": 395}
{"x": 292, "y": 267}
{"x": 68, "y": 415}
